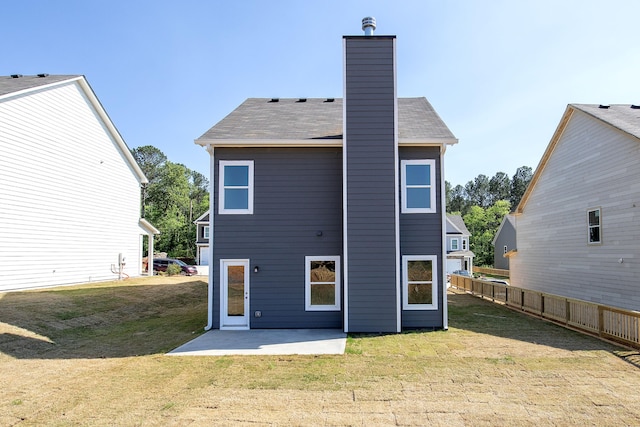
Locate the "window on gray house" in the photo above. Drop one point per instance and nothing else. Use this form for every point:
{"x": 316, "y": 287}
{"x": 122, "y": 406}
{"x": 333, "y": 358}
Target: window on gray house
{"x": 594, "y": 226}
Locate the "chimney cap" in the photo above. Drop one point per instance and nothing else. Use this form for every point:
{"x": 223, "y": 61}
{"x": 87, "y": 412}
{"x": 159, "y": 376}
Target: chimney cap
{"x": 368, "y": 25}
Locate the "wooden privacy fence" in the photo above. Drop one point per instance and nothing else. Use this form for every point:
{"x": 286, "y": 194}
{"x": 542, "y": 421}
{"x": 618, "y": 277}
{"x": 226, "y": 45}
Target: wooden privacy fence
{"x": 491, "y": 271}
{"x": 607, "y": 322}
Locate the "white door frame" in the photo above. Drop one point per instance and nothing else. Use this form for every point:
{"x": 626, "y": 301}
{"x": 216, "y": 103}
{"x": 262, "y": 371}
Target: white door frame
{"x": 233, "y": 322}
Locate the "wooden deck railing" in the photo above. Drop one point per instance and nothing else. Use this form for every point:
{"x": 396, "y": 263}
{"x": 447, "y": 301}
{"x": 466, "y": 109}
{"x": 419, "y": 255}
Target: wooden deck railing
{"x": 491, "y": 271}
{"x": 612, "y": 323}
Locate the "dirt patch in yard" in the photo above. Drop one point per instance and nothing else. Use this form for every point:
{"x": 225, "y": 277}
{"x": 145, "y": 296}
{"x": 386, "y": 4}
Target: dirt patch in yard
{"x": 94, "y": 355}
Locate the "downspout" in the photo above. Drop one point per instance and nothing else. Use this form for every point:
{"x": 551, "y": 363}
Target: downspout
{"x": 443, "y": 203}
{"x": 212, "y": 164}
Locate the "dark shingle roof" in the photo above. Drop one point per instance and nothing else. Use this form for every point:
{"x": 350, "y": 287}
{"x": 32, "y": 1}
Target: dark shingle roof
{"x": 620, "y": 116}
{"x": 262, "y": 119}
{"x": 10, "y": 84}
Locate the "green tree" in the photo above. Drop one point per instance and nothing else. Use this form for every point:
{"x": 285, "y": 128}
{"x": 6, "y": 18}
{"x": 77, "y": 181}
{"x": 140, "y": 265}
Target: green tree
{"x": 483, "y": 224}
{"x": 478, "y": 191}
{"x": 457, "y": 200}
{"x": 174, "y": 197}
{"x": 499, "y": 187}
{"x": 519, "y": 184}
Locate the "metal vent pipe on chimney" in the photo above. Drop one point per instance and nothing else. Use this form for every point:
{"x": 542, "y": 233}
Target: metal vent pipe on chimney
{"x": 368, "y": 25}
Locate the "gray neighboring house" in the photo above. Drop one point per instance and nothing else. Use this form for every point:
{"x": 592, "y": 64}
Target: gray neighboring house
{"x": 578, "y": 222}
{"x": 504, "y": 242}
{"x": 329, "y": 213}
{"x": 459, "y": 257}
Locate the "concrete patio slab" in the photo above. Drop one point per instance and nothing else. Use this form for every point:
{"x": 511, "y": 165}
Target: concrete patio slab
{"x": 265, "y": 342}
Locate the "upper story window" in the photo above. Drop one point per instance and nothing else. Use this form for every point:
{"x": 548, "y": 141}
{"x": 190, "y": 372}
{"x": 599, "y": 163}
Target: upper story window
{"x": 205, "y": 232}
{"x": 235, "y": 187}
{"x": 464, "y": 244}
{"x": 420, "y": 284}
{"x": 454, "y": 244}
{"x": 504, "y": 250}
{"x": 594, "y": 226}
{"x": 418, "y": 186}
{"x": 322, "y": 283}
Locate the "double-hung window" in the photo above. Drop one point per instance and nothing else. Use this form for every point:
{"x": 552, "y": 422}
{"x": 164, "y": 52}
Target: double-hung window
{"x": 418, "y": 186}
{"x": 454, "y": 244}
{"x": 594, "y": 226}
{"x": 322, "y": 283}
{"x": 420, "y": 282}
{"x": 205, "y": 232}
{"x": 235, "y": 187}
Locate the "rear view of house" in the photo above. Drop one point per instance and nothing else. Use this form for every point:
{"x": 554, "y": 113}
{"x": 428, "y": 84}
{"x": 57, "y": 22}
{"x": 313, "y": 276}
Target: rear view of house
{"x": 328, "y": 212}
{"x": 69, "y": 187}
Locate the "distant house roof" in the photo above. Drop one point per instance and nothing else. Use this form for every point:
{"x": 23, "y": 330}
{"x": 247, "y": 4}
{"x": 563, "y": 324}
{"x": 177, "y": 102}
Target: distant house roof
{"x": 202, "y": 219}
{"x": 458, "y": 225}
{"x": 510, "y": 219}
{"x": 317, "y": 121}
{"x": 624, "y": 117}
{"x": 19, "y": 85}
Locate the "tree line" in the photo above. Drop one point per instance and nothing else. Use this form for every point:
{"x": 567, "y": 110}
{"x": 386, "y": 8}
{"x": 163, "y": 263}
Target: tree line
{"x": 482, "y": 203}
{"x": 174, "y": 197}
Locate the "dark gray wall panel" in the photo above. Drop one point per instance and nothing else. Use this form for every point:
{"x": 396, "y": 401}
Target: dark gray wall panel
{"x": 421, "y": 234}
{"x": 371, "y": 192}
{"x": 298, "y": 192}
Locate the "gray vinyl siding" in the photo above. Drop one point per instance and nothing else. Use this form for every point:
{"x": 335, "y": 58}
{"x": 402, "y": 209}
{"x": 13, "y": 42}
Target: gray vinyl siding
{"x": 507, "y": 237}
{"x": 298, "y": 192}
{"x": 370, "y": 105}
{"x": 421, "y": 234}
{"x": 593, "y": 165}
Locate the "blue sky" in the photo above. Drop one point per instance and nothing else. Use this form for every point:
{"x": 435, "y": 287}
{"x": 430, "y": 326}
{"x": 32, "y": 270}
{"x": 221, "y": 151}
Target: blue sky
{"x": 500, "y": 73}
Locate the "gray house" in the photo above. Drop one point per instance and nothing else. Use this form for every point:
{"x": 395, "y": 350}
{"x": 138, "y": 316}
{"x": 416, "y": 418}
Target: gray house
{"x": 329, "y": 213}
{"x": 202, "y": 239}
{"x": 578, "y": 222}
{"x": 459, "y": 257}
{"x": 504, "y": 242}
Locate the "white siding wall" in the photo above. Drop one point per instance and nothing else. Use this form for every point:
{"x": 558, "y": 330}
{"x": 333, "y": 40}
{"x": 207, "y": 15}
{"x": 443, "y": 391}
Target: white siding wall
{"x": 69, "y": 201}
{"x": 593, "y": 165}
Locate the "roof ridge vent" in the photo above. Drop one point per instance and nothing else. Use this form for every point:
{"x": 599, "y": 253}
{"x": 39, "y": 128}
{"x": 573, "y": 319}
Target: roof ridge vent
{"x": 302, "y": 100}
{"x": 604, "y": 106}
{"x": 330, "y": 100}
{"x": 635, "y": 107}
{"x": 16, "y": 76}
{"x": 43, "y": 75}
{"x": 275, "y": 100}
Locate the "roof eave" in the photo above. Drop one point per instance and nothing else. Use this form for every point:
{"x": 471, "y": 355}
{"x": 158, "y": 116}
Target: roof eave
{"x": 320, "y": 142}
{"x": 427, "y": 141}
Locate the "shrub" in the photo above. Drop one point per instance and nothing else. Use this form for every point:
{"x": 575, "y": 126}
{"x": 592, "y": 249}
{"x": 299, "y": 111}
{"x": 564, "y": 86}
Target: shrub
{"x": 173, "y": 269}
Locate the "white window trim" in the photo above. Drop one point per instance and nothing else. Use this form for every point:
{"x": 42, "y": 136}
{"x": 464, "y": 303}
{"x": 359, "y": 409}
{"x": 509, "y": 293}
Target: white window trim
{"x": 221, "y": 166}
{"x": 504, "y": 250}
{"x": 307, "y": 284}
{"x": 434, "y": 282}
{"x": 432, "y": 186}
{"x": 599, "y": 242}
{"x": 457, "y": 248}
{"x": 205, "y": 232}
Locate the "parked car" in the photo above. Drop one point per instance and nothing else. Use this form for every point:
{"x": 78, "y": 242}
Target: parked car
{"x": 161, "y": 264}
{"x": 494, "y": 280}
{"x": 459, "y": 273}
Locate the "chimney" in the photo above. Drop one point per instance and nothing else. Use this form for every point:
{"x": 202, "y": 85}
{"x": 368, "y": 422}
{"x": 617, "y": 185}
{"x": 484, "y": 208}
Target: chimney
{"x": 368, "y": 25}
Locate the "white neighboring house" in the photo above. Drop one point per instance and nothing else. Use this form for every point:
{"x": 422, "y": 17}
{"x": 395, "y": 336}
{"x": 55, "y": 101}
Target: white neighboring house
{"x": 459, "y": 257}
{"x": 578, "y": 223}
{"x": 69, "y": 187}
